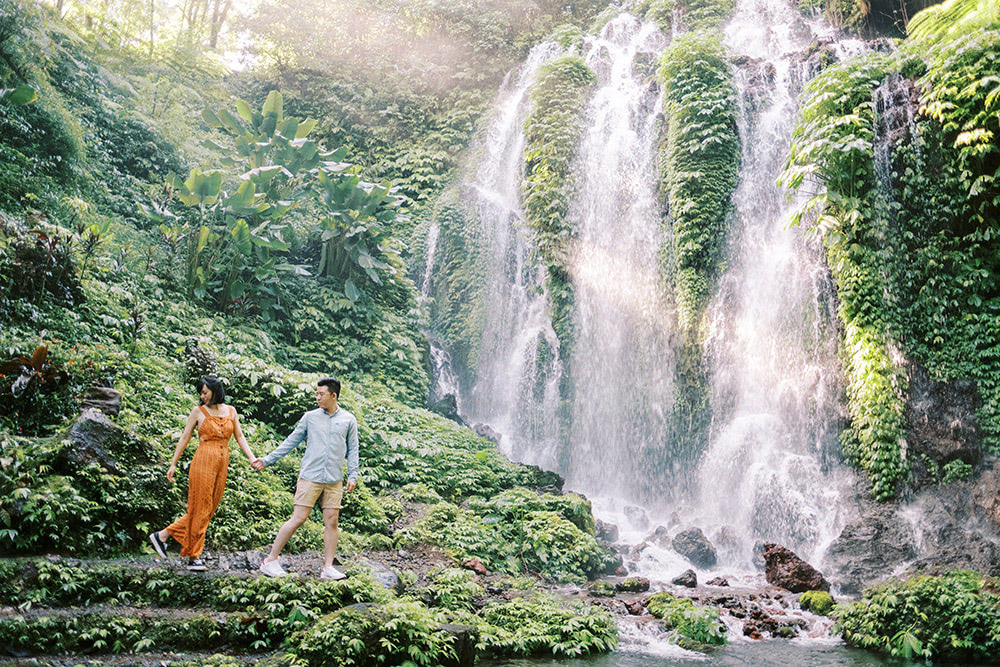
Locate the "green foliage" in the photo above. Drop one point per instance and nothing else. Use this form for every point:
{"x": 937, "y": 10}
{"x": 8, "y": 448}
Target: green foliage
{"x": 699, "y": 163}
{"x": 694, "y": 14}
{"x": 551, "y": 132}
{"x": 42, "y": 583}
{"x": 235, "y": 238}
{"x": 252, "y": 613}
{"x": 913, "y": 250}
{"x": 952, "y": 617}
{"x": 700, "y": 624}
{"x": 956, "y": 470}
{"x": 952, "y": 19}
{"x": 43, "y": 489}
{"x": 451, "y": 589}
{"x": 387, "y": 634}
{"x": 106, "y": 633}
{"x": 402, "y": 445}
{"x": 458, "y": 311}
{"x": 963, "y": 96}
{"x": 518, "y": 531}
{"x": 542, "y": 626}
{"x": 818, "y": 602}
{"x": 876, "y": 390}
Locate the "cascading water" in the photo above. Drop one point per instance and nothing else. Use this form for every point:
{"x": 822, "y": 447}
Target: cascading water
{"x": 768, "y": 471}
{"x": 622, "y": 361}
{"x": 775, "y": 380}
{"x": 507, "y": 393}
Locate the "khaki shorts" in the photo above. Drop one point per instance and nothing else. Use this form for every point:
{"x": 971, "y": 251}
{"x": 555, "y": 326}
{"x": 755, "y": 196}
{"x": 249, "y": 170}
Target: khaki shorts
{"x": 307, "y": 493}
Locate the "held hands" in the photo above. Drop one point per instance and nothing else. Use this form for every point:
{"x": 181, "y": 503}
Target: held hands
{"x": 257, "y": 464}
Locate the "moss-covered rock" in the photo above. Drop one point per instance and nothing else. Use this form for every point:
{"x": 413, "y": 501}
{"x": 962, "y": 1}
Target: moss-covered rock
{"x": 818, "y": 602}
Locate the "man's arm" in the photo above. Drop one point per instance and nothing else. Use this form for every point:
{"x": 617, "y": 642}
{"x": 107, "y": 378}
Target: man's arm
{"x": 352, "y": 455}
{"x": 288, "y": 444}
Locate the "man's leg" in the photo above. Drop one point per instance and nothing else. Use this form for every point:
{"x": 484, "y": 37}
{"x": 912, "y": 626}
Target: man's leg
{"x": 299, "y": 516}
{"x": 330, "y": 517}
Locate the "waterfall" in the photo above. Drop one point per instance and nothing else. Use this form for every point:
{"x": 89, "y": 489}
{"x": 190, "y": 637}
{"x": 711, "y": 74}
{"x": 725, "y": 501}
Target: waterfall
{"x": 768, "y": 473}
{"x": 622, "y": 360}
{"x": 769, "y": 470}
{"x": 518, "y": 348}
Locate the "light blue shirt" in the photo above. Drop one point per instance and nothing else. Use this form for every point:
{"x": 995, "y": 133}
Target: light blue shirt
{"x": 329, "y": 439}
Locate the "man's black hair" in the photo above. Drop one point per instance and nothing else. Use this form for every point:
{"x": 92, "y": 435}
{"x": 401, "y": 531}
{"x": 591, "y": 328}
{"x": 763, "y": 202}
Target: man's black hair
{"x": 332, "y": 385}
{"x": 214, "y": 385}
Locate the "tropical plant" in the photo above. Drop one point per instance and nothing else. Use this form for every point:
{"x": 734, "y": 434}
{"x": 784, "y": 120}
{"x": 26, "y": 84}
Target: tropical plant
{"x": 954, "y": 616}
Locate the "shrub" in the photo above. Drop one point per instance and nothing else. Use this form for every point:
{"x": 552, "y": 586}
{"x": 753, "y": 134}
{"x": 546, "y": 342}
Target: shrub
{"x": 954, "y": 616}
{"x": 700, "y": 624}
{"x": 543, "y": 626}
{"x": 387, "y": 634}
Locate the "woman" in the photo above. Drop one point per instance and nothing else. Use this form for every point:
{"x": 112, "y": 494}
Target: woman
{"x": 217, "y": 423}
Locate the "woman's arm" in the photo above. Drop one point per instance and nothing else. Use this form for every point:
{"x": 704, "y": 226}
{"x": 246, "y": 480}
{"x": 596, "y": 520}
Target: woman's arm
{"x": 182, "y": 443}
{"x": 240, "y": 439}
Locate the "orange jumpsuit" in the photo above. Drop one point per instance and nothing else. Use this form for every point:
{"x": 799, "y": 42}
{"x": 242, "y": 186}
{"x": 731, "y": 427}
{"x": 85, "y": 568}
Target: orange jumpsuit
{"x": 206, "y": 482}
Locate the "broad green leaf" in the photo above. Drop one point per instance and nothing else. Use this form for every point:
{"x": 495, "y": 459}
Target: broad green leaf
{"x": 273, "y": 104}
{"x": 244, "y": 110}
{"x": 241, "y": 236}
{"x": 305, "y": 127}
{"x": 352, "y": 291}
{"x": 19, "y": 96}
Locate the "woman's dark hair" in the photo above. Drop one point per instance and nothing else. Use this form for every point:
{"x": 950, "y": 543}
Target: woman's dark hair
{"x": 214, "y": 385}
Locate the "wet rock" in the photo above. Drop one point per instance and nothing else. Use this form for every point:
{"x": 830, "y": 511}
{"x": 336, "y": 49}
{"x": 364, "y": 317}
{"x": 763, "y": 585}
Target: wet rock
{"x": 726, "y": 538}
{"x": 464, "y": 638}
{"x": 239, "y": 561}
{"x": 614, "y": 565}
{"x": 718, "y": 581}
{"x": 105, "y": 399}
{"x": 447, "y": 406}
{"x": 687, "y": 579}
{"x": 634, "y": 607}
{"x": 940, "y": 424}
{"x": 637, "y": 516}
{"x": 869, "y": 547}
{"x": 599, "y": 589}
{"x": 783, "y": 568}
{"x": 476, "y": 566}
{"x": 606, "y": 532}
{"x": 382, "y": 574}
{"x": 487, "y": 431}
{"x": 693, "y": 545}
{"x": 984, "y": 497}
{"x": 96, "y": 439}
{"x": 633, "y": 585}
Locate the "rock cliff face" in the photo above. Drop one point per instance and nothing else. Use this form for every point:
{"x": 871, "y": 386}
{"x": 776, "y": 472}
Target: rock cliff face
{"x": 935, "y": 525}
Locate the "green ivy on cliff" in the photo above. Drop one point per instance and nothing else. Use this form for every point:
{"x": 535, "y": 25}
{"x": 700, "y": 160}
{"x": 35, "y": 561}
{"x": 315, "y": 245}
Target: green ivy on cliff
{"x": 699, "y": 169}
{"x": 914, "y": 247}
{"x": 700, "y": 163}
{"x": 551, "y": 134}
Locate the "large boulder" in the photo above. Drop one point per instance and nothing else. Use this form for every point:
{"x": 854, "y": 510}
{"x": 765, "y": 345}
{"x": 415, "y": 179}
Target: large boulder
{"x": 96, "y": 439}
{"x": 105, "y": 399}
{"x": 783, "y": 568}
{"x": 693, "y": 545}
{"x": 945, "y": 526}
{"x": 447, "y": 406}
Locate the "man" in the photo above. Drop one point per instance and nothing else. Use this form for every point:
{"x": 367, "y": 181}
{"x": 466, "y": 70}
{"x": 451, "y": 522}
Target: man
{"x": 331, "y": 434}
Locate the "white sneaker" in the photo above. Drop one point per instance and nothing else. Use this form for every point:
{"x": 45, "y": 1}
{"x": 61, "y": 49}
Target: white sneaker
{"x": 272, "y": 568}
{"x": 330, "y": 572}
